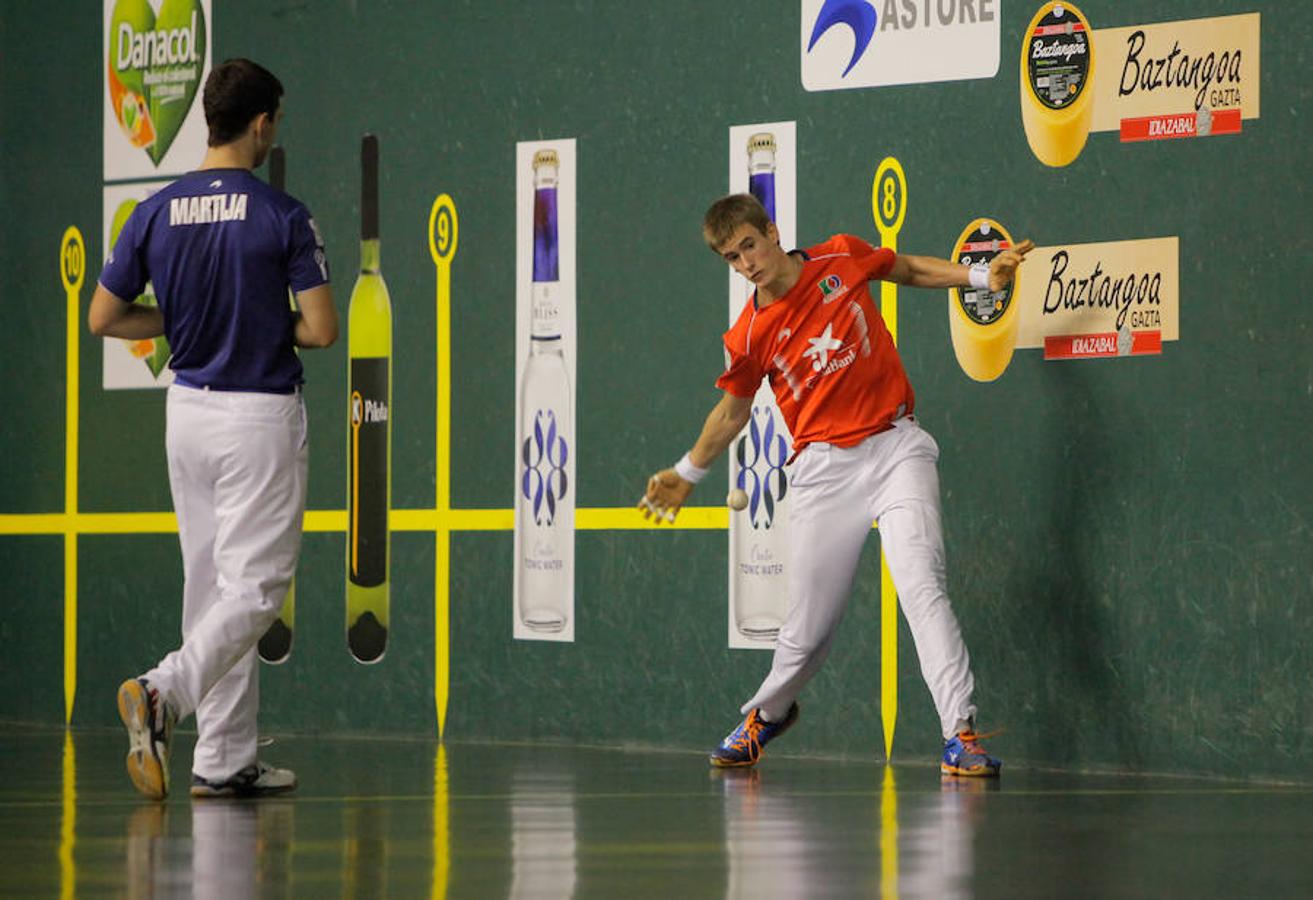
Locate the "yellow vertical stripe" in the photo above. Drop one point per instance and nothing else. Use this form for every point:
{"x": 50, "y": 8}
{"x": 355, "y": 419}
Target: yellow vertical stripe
{"x": 72, "y": 271}
{"x": 889, "y": 207}
{"x": 70, "y": 624}
{"x": 888, "y": 595}
{"x": 888, "y": 657}
{"x": 443, "y": 237}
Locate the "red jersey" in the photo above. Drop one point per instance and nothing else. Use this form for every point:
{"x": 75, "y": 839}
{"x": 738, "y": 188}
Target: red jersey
{"x": 831, "y": 361}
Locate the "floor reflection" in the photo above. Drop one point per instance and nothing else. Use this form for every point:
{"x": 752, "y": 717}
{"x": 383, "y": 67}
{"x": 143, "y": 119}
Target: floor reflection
{"x": 68, "y": 819}
{"x": 238, "y": 848}
{"x": 441, "y": 825}
{"x": 769, "y": 841}
{"x": 407, "y": 819}
{"x": 783, "y": 842}
{"x": 544, "y": 839}
{"x": 365, "y": 850}
{"x": 936, "y": 839}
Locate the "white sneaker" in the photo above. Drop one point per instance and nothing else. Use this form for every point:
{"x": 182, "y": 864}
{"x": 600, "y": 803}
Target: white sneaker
{"x": 149, "y": 721}
{"x": 258, "y": 780}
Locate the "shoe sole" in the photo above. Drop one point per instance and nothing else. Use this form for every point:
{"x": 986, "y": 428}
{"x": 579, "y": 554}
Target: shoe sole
{"x": 205, "y": 792}
{"x": 147, "y": 771}
{"x": 728, "y": 764}
{"x": 982, "y": 772}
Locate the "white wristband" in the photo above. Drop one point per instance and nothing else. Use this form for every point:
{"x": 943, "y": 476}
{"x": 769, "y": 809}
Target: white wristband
{"x": 979, "y": 276}
{"x": 689, "y": 472}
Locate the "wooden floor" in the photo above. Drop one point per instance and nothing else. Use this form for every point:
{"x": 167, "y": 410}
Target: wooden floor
{"x": 410, "y": 819}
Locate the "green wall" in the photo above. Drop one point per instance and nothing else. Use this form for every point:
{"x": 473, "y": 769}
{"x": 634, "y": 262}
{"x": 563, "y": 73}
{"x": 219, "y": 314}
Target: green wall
{"x": 1133, "y": 577}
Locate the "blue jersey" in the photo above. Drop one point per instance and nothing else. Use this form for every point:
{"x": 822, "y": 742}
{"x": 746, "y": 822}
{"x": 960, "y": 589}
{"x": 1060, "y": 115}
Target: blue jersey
{"x": 221, "y": 248}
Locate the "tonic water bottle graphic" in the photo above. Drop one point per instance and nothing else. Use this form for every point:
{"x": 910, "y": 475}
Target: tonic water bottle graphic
{"x": 761, "y": 170}
{"x": 759, "y": 534}
{"x": 545, "y": 497}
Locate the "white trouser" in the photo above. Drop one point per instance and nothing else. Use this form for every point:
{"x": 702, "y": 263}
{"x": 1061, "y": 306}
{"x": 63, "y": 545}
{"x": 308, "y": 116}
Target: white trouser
{"x": 237, "y": 469}
{"x": 835, "y": 493}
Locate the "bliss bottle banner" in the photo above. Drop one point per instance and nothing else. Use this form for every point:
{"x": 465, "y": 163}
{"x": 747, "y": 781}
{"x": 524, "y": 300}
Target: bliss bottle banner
{"x": 545, "y": 378}
{"x": 761, "y": 162}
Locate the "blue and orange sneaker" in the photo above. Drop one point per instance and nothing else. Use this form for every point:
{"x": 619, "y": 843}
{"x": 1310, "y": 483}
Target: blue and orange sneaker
{"x": 743, "y": 745}
{"x": 963, "y": 755}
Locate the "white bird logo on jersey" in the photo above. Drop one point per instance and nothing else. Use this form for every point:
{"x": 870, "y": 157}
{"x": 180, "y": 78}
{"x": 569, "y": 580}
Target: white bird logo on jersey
{"x": 821, "y": 347}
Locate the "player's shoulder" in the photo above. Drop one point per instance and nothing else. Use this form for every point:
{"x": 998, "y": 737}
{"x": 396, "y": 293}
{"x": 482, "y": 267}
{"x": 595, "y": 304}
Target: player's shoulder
{"x": 181, "y": 186}
{"x": 281, "y": 202}
{"x": 736, "y": 336}
{"x": 839, "y": 245}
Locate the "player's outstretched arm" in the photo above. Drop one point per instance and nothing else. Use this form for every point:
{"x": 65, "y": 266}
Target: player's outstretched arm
{"x": 112, "y": 316}
{"x": 1003, "y": 268}
{"x": 932, "y": 272}
{"x": 668, "y": 489}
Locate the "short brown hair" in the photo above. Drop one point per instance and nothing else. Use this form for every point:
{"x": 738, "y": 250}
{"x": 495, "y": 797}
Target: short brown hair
{"x": 235, "y": 93}
{"x": 725, "y": 216}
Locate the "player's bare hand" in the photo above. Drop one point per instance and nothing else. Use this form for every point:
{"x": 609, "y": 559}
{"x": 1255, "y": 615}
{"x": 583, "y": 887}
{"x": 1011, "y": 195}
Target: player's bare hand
{"x": 1003, "y": 268}
{"x": 666, "y": 493}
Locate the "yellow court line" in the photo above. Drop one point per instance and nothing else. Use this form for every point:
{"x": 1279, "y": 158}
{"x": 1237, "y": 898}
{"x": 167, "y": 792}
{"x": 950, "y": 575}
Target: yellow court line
{"x": 72, "y": 272}
{"x": 889, "y": 207}
{"x": 444, "y": 236}
{"x": 622, "y": 518}
{"x": 87, "y": 523}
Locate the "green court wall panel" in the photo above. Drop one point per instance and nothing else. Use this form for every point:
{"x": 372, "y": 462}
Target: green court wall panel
{"x": 482, "y": 324}
{"x": 32, "y": 628}
{"x": 43, "y": 190}
{"x": 322, "y": 688}
{"x": 122, "y": 463}
{"x": 326, "y": 410}
{"x": 648, "y": 657}
{"x": 1128, "y": 540}
{"x": 129, "y": 616}
{"x": 649, "y": 662}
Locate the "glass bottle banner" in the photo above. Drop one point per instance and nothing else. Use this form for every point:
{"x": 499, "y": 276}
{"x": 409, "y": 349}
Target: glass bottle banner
{"x": 545, "y": 352}
{"x": 761, "y": 162}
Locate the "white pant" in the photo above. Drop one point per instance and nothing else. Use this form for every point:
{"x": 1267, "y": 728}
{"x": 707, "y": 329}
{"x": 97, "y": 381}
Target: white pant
{"x": 237, "y": 469}
{"x": 836, "y": 492}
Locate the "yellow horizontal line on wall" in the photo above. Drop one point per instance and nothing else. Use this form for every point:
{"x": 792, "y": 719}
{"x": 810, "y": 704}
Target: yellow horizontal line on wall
{"x": 89, "y": 523}
{"x": 334, "y": 520}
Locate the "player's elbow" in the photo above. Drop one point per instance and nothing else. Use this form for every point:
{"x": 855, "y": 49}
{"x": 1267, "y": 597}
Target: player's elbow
{"x": 100, "y": 320}
{"x": 320, "y": 336}
{"x": 96, "y": 323}
{"x": 329, "y": 337}
{"x": 317, "y": 321}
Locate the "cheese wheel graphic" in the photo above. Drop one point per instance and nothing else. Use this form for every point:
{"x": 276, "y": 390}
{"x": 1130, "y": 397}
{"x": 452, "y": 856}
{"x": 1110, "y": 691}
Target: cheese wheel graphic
{"x": 1057, "y": 94}
{"x": 982, "y": 323}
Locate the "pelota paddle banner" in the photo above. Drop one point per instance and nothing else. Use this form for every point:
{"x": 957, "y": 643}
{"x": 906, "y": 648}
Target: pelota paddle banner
{"x": 156, "y": 55}
{"x": 1167, "y": 80}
